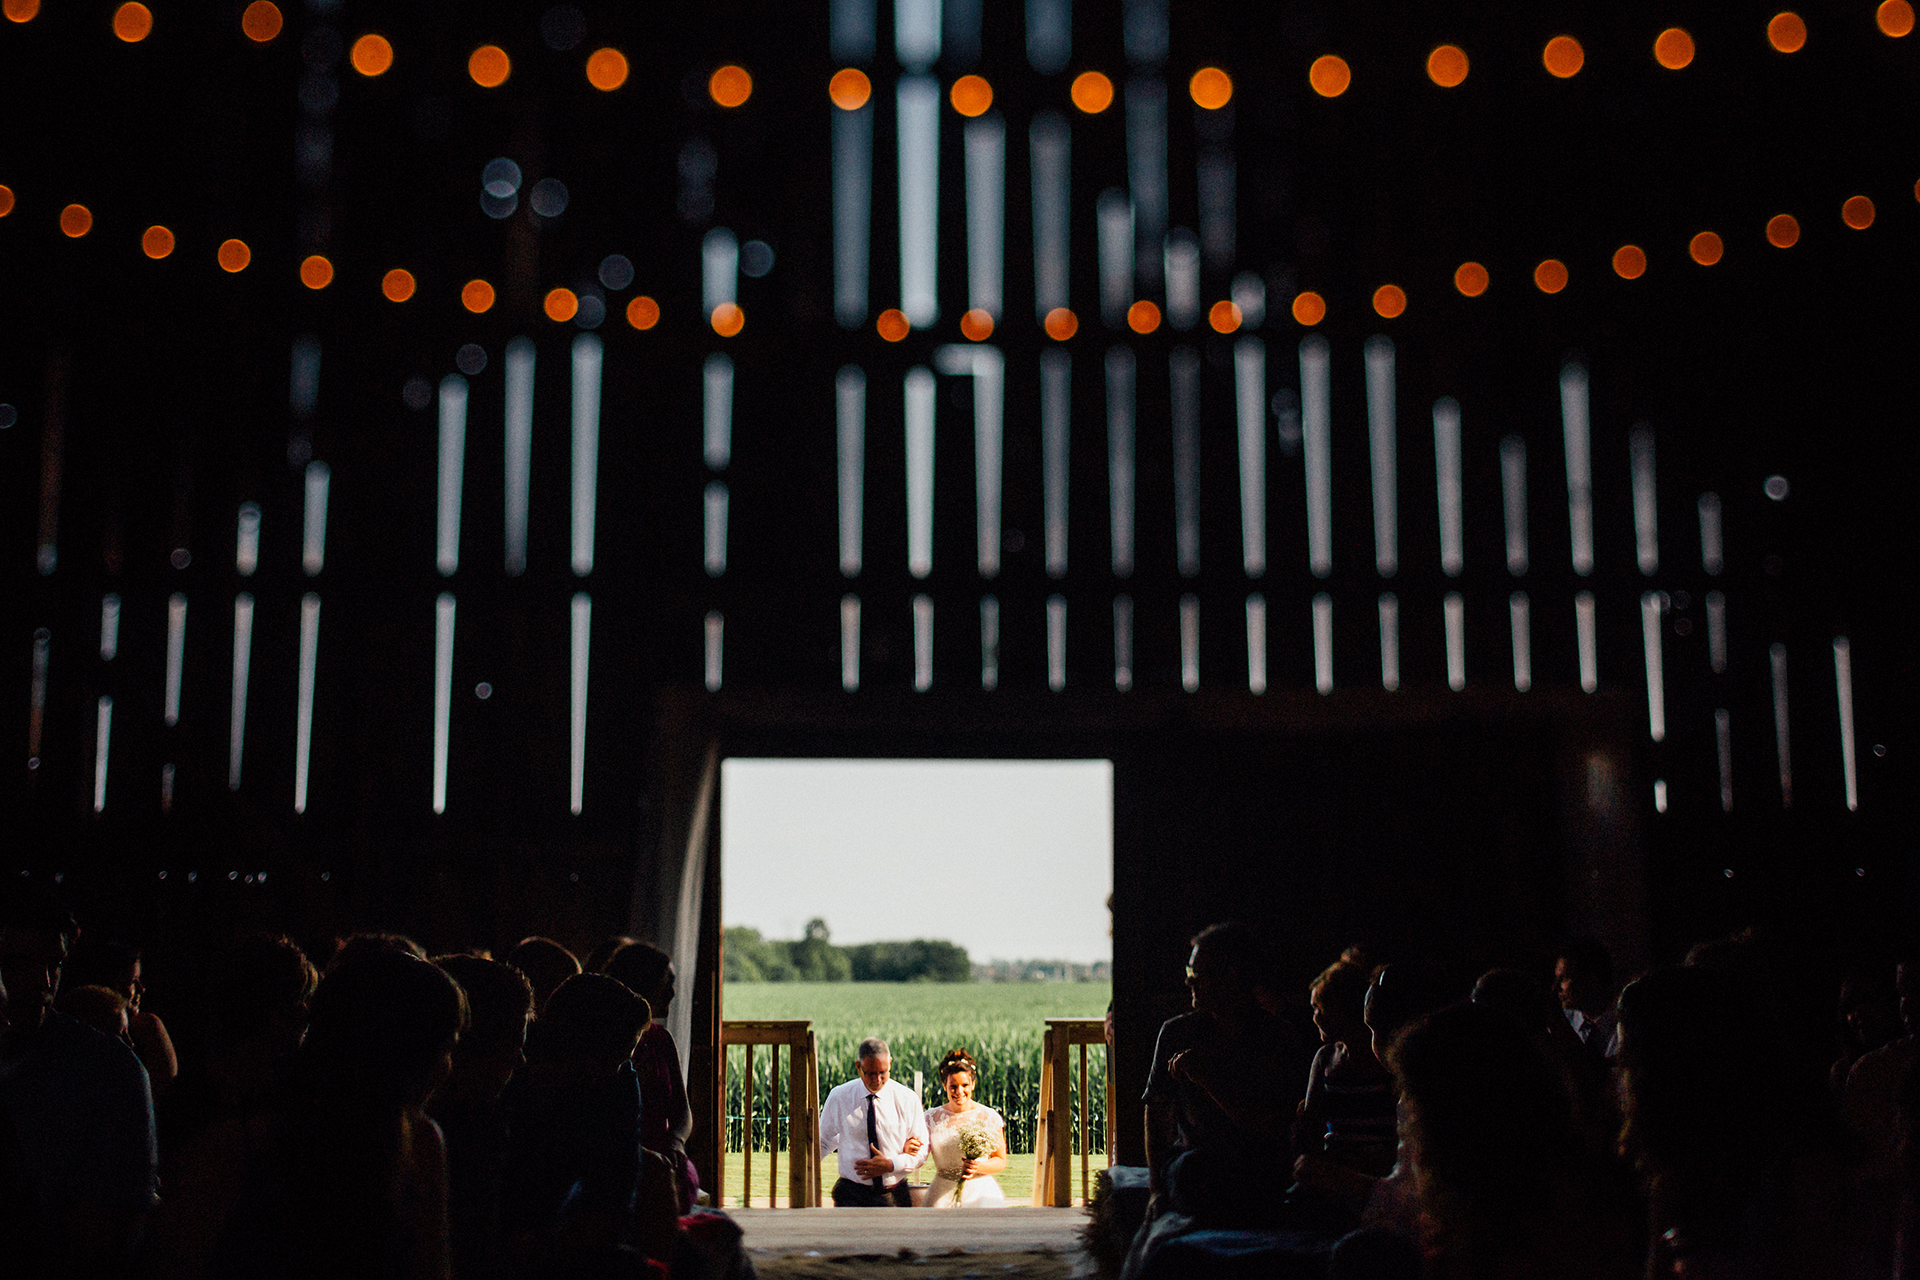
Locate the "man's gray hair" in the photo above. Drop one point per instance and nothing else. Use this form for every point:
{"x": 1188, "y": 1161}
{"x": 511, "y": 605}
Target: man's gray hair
{"x": 873, "y": 1047}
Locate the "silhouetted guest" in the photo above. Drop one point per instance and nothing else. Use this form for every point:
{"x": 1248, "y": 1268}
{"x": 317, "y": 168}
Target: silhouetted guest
{"x": 1870, "y": 1106}
{"x": 1741, "y": 1180}
{"x": 1583, "y": 980}
{"x": 666, "y": 1120}
{"x": 1217, "y": 1101}
{"x": 1348, "y": 1113}
{"x": 546, "y": 963}
{"x": 574, "y": 1167}
{"x": 76, "y": 1100}
{"x": 468, "y": 1109}
{"x": 1868, "y": 1018}
{"x": 1506, "y": 1188}
{"x": 366, "y": 943}
{"x": 596, "y": 961}
{"x": 102, "y": 1009}
{"x": 1586, "y": 1077}
{"x": 345, "y": 1175}
{"x": 116, "y": 966}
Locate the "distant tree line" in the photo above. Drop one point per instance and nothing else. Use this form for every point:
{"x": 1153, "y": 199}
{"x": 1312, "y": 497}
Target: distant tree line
{"x": 814, "y": 958}
{"x": 1043, "y": 971}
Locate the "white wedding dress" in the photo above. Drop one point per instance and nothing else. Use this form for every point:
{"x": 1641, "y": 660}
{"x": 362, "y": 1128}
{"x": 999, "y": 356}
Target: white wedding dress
{"x": 943, "y": 1129}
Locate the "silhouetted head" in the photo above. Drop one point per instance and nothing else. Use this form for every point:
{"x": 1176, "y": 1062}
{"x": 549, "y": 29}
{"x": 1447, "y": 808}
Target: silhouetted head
{"x": 1339, "y": 997}
{"x": 1520, "y": 996}
{"x": 499, "y": 1005}
{"x": 546, "y": 963}
{"x": 98, "y": 962}
{"x": 591, "y": 1022}
{"x": 382, "y": 1028}
{"x": 596, "y": 959}
{"x": 1397, "y": 995}
{"x": 1227, "y": 963}
{"x": 647, "y": 971}
{"x": 36, "y": 932}
{"x": 261, "y": 989}
{"x": 102, "y": 1008}
{"x": 1583, "y": 977}
{"x": 364, "y": 943}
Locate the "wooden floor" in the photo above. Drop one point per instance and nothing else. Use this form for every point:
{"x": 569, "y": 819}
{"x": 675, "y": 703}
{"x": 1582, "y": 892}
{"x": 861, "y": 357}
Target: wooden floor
{"x": 925, "y": 1232}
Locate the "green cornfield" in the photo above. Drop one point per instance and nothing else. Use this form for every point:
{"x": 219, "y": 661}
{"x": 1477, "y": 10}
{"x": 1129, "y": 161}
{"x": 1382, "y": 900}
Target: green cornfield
{"x": 1000, "y": 1024}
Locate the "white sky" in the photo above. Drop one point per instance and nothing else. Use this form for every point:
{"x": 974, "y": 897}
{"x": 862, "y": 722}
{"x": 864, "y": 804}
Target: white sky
{"x": 1012, "y": 859}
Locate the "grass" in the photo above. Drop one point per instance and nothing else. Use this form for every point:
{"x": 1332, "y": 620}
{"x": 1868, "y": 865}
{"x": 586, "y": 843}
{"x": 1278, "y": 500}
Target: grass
{"x": 1000, "y": 1024}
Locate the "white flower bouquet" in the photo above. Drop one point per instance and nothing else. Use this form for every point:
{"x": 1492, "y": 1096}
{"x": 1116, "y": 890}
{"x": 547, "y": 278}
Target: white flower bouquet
{"x": 977, "y": 1142}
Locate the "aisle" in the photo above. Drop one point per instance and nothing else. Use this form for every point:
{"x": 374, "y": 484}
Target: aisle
{"x": 1034, "y": 1242}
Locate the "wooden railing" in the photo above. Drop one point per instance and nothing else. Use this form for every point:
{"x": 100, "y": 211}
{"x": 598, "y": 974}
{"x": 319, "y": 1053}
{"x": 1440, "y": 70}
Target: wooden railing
{"x": 802, "y": 1113}
{"x": 1053, "y": 1140}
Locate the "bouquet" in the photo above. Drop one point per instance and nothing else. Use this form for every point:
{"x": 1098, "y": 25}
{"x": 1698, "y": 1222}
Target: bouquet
{"x": 977, "y": 1142}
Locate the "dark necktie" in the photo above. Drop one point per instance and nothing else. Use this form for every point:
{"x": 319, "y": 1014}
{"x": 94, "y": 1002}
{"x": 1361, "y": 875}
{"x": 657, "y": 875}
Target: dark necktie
{"x": 873, "y": 1131}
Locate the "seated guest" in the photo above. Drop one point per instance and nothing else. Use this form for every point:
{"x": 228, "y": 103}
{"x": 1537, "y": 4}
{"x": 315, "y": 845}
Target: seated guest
{"x": 1869, "y": 1017}
{"x": 1583, "y": 980}
{"x": 1217, "y": 1101}
{"x": 596, "y": 959}
{"x": 546, "y": 963}
{"x": 116, "y": 966}
{"x": 101, "y": 1008}
{"x": 76, "y": 1101}
{"x": 572, "y": 1194}
{"x": 1506, "y": 1188}
{"x": 468, "y": 1109}
{"x": 666, "y": 1120}
{"x": 365, "y": 943}
{"x": 1348, "y": 1111}
{"x": 1586, "y": 1078}
{"x": 343, "y": 1174}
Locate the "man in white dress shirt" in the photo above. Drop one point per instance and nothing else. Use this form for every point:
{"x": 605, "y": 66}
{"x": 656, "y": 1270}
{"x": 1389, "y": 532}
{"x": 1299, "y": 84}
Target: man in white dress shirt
{"x": 880, "y": 1130}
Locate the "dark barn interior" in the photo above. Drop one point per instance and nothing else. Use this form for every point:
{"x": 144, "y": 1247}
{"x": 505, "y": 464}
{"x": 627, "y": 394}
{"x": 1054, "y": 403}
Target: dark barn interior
{"x": 326, "y": 611}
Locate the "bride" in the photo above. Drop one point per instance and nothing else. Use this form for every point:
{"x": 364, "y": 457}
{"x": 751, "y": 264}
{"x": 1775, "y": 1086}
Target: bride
{"x": 952, "y": 1127}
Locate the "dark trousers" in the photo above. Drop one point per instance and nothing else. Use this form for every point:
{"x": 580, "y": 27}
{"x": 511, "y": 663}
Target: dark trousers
{"x": 848, "y": 1194}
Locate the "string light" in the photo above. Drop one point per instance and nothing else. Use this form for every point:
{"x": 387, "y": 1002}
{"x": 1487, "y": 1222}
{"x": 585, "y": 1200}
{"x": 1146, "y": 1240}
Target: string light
{"x": 477, "y": 296}
{"x": 316, "y": 272}
{"x": 1143, "y": 316}
{"x": 1224, "y": 316}
{"x": 156, "y": 242}
{"x": 261, "y": 21}
{"x": 397, "y": 285}
{"x": 22, "y": 10}
{"x": 372, "y": 55}
{"x": 971, "y": 95}
{"x": 977, "y": 325}
{"x": 75, "y": 221}
{"x": 1783, "y": 231}
{"x": 1447, "y": 66}
{"x": 561, "y": 305}
{"x": 728, "y": 319}
{"x": 1329, "y": 75}
{"x": 1895, "y": 18}
{"x": 1787, "y": 32}
{"x": 233, "y": 256}
{"x": 1390, "y": 300}
{"x": 1471, "y": 279}
{"x": 1857, "y": 213}
{"x": 1092, "y": 92}
{"x": 849, "y": 89}
{"x": 643, "y": 313}
{"x": 1673, "y": 48}
{"x": 1629, "y": 262}
{"x": 1211, "y": 88}
{"x": 133, "y": 22}
{"x": 730, "y": 86}
{"x": 607, "y": 69}
{"x": 489, "y": 66}
{"x": 1309, "y": 308}
{"x": 1564, "y": 57}
{"x": 1550, "y": 276}
{"x": 1706, "y": 248}
{"x": 1062, "y": 324}
{"x": 6, "y": 201}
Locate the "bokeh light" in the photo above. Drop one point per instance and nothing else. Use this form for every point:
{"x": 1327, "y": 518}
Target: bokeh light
{"x": 1224, "y": 316}
{"x": 850, "y": 89}
{"x": 728, "y": 319}
{"x": 133, "y": 22}
{"x": 1447, "y": 66}
{"x": 1787, "y": 32}
{"x": 561, "y": 305}
{"x": 372, "y": 55}
{"x": 1092, "y": 92}
{"x": 1673, "y": 48}
{"x": 1309, "y": 308}
{"x": 1564, "y": 57}
{"x": 6, "y": 201}
{"x": 1629, "y": 262}
{"x": 1706, "y": 248}
{"x": 233, "y": 255}
{"x": 262, "y": 21}
{"x": 397, "y": 285}
{"x": 607, "y": 69}
{"x": 316, "y": 272}
{"x": 1329, "y": 75}
{"x": 75, "y": 221}
{"x": 1389, "y": 300}
{"x": 22, "y": 10}
{"x": 489, "y": 66}
{"x": 1471, "y": 279}
{"x": 1062, "y": 324}
{"x": 1895, "y": 18}
{"x": 643, "y": 312}
{"x": 1143, "y": 316}
{"x": 1783, "y": 231}
{"x": 730, "y": 86}
{"x": 1550, "y": 276}
{"x": 971, "y": 95}
{"x": 156, "y": 242}
{"x": 977, "y": 325}
{"x": 476, "y": 296}
{"x": 1857, "y": 213}
{"x": 1211, "y": 88}
{"x": 892, "y": 324}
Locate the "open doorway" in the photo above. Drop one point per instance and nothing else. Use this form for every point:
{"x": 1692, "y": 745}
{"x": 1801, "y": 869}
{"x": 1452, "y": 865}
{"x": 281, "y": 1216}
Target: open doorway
{"x": 938, "y": 904}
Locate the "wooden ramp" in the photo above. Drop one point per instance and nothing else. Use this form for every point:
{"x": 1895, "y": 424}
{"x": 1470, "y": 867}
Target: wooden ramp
{"x": 926, "y": 1232}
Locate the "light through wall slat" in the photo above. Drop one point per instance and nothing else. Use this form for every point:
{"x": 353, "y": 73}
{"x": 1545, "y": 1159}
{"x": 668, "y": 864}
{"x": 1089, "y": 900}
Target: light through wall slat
{"x": 1056, "y": 643}
{"x": 1650, "y": 616}
{"x": 1389, "y": 641}
{"x": 1113, "y": 235}
{"x": 714, "y": 529}
{"x": 1316, "y": 432}
{"x": 1181, "y": 261}
{"x": 1577, "y": 435}
{"x": 719, "y": 269}
{"x": 919, "y": 429}
{"x": 989, "y": 643}
{"x": 1382, "y": 441}
{"x": 176, "y": 654}
{"x": 916, "y": 32}
{"x": 852, "y": 213}
{"x": 1049, "y": 141}
{"x": 237, "y": 704}
{"x": 1713, "y": 548}
{"x": 1256, "y": 643}
{"x": 1646, "y": 511}
{"x": 1843, "y": 687}
{"x": 1190, "y": 643}
{"x": 1447, "y": 481}
{"x": 1520, "y": 622}
{"x": 1056, "y": 405}
{"x": 922, "y": 643}
{"x": 1723, "y": 747}
{"x": 519, "y": 452}
{"x": 1184, "y": 376}
{"x": 917, "y": 104}
{"x": 1513, "y": 501}
{"x": 109, "y": 626}
{"x": 587, "y": 356}
{"x": 850, "y": 642}
{"x": 1586, "y": 638}
{"x": 1049, "y": 35}
{"x": 313, "y": 523}
{"x": 1250, "y": 413}
{"x": 1146, "y": 105}
{"x": 1123, "y": 643}
{"x": 443, "y": 613}
{"x": 246, "y": 541}
{"x": 102, "y": 742}
{"x": 716, "y": 385}
{"x": 984, "y": 141}
{"x": 850, "y": 425}
{"x": 715, "y": 635}
{"x": 1453, "y": 613}
{"x": 1323, "y": 642}
{"x": 303, "y": 706}
{"x": 1783, "y": 748}
{"x": 581, "y": 649}
{"x": 1120, "y": 471}
{"x": 1717, "y": 632}
{"x": 453, "y": 458}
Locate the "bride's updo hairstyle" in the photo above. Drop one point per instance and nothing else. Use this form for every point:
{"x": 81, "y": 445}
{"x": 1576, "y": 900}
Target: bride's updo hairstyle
{"x": 959, "y": 1060}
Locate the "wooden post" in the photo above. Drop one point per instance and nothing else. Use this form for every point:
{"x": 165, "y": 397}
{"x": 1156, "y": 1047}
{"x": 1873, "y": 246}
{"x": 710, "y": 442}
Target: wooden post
{"x": 773, "y": 1128}
{"x": 746, "y": 1131}
{"x": 1059, "y": 1122}
{"x": 1086, "y": 1192}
